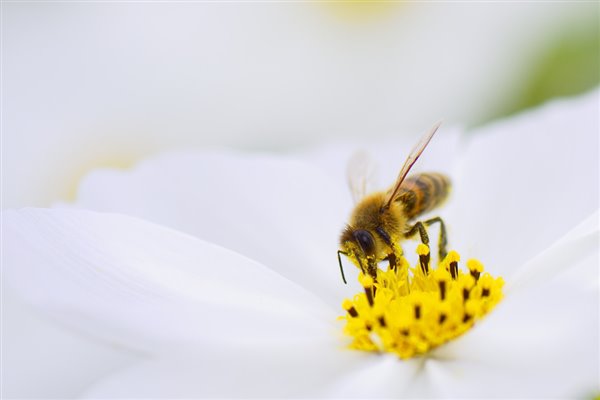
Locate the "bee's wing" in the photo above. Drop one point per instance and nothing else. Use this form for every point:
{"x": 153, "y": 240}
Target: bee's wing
{"x": 410, "y": 161}
{"x": 360, "y": 173}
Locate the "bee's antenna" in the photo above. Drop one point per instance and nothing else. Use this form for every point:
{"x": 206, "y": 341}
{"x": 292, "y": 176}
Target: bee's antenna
{"x": 341, "y": 268}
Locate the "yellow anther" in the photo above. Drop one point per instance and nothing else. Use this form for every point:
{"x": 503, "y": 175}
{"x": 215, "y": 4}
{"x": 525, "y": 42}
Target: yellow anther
{"x": 422, "y": 249}
{"x": 474, "y": 265}
{"x": 347, "y": 304}
{"x": 366, "y": 281}
{"x": 408, "y": 312}
{"x": 466, "y": 281}
{"x": 498, "y": 283}
{"x": 486, "y": 281}
{"x": 471, "y": 307}
{"x": 441, "y": 274}
{"x": 452, "y": 256}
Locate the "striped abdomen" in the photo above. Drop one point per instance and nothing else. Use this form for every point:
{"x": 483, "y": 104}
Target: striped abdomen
{"x": 421, "y": 193}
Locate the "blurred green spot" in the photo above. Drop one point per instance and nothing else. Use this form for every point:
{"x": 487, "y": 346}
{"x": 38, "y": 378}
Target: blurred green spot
{"x": 569, "y": 66}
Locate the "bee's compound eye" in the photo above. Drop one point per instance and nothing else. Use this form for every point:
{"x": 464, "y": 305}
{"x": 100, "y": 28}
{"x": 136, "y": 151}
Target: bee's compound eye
{"x": 365, "y": 241}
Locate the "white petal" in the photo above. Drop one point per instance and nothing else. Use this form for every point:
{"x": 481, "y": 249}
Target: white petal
{"x": 562, "y": 257}
{"x": 152, "y": 288}
{"x": 283, "y": 213}
{"x": 380, "y": 376}
{"x": 299, "y": 371}
{"x": 33, "y": 350}
{"x": 540, "y": 342}
{"x": 526, "y": 181}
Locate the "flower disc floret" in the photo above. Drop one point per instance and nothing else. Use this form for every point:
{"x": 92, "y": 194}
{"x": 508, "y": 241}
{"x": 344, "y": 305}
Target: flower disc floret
{"x": 409, "y": 311}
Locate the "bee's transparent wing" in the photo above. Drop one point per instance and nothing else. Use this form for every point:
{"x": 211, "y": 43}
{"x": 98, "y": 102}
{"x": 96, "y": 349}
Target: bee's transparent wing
{"x": 361, "y": 172}
{"x": 410, "y": 161}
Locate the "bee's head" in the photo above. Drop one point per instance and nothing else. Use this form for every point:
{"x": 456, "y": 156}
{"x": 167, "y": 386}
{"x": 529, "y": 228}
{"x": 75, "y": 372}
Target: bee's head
{"x": 359, "y": 245}
{"x": 365, "y": 242}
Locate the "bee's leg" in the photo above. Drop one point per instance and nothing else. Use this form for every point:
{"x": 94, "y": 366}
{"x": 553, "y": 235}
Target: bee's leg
{"x": 443, "y": 243}
{"x": 393, "y": 260}
{"x": 372, "y": 270}
{"x": 370, "y": 267}
{"x": 420, "y": 227}
{"x": 392, "y": 257}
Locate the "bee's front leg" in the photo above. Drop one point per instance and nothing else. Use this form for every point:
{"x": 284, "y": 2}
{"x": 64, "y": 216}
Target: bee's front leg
{"x": 393, "y": 260}
{"x": 395, "y": 250}
{"x": 372, "y": 269}
{"x": 394, "y": 257}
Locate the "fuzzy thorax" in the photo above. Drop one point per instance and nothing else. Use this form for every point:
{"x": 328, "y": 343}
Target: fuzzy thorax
{"x": 409, "y": 311}
{"x": 383, "y": 227}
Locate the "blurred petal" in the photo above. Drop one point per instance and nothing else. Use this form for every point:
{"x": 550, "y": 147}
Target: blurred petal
{"x": 151, "y": 288}
{"x": 299, "y": 371}
{"x": 280, "y": 212}
{"x": 526, "y": 181}
{"x": 540, "y": 342}
{"x": 238, "y": 74}
{"x": 563, "y": 256}
{"x": 380, "y": 375}
{"x": 33, "y": 350}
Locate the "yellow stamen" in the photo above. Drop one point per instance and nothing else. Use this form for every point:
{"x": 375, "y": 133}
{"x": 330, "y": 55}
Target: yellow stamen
{"x": 409, "y": 311}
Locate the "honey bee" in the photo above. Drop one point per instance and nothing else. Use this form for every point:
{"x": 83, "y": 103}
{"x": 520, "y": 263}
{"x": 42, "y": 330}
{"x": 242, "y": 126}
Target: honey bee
{"x": 381, "y": 220}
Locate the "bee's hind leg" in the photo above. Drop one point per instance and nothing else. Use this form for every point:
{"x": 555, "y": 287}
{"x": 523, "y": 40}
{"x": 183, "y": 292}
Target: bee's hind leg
{"x": 420, "y": 227}
{"x": 443, "y": 242}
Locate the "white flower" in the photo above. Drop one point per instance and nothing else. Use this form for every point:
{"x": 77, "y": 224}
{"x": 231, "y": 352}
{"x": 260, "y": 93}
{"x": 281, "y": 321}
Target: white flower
{"x": 137, "y": 79}
{"x": 254, "y": 314}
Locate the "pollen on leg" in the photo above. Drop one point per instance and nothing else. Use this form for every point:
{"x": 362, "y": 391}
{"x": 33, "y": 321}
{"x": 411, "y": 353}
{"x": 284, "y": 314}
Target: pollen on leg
{"x": 409, "y": 311}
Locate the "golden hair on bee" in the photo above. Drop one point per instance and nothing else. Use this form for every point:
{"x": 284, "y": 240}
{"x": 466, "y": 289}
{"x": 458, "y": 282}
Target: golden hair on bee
{"x": 381, "y": 220}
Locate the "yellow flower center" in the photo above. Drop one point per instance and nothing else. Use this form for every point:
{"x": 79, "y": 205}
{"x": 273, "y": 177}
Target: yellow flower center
{"x": 409, "y": 311}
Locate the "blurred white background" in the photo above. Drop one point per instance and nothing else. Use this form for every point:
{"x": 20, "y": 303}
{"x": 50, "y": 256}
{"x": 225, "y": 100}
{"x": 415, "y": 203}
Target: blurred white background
{"x": 106, "y": 84}
{"x": 92, "y": 84}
